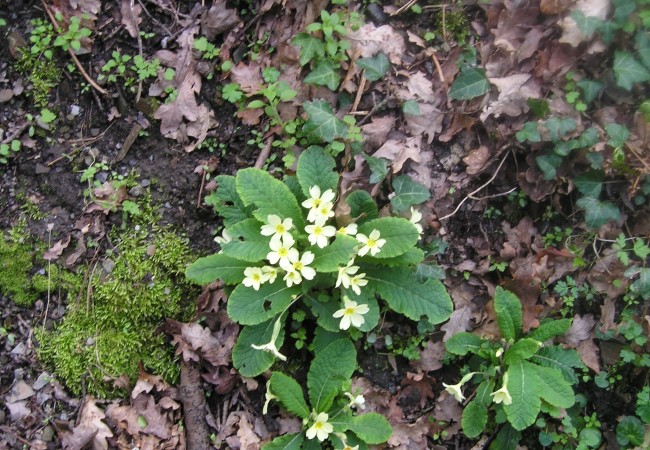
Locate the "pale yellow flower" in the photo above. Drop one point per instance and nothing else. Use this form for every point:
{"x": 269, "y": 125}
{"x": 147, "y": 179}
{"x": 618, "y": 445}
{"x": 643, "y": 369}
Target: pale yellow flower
{"x": 345, "y": 274}
{"x": 277, "y": 227}
{"x": 320, "y": 428}
{"x": 270, "y": 346}
{"x": 502, "y": 395}
{"x": 416, "y": 216}
{"x": 319, "y": 234}
{"x": 255, "y": 276}
{"x": 351, "y": 314}
{"x": 301, "y": 266}
{"x": 282, "y": 251}
{"x": 350, "y": 230}
{"x": 372, "y": 243}
{"x": 357, "y": 281}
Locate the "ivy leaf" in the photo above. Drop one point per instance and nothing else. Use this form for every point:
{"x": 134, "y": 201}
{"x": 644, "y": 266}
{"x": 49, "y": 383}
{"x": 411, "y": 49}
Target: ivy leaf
{"x": 643, "y": 46}
{"x": 469, "y": 84}
{"x": 617, "y": 134}
{"x": 406, "y": 296}
{"x": 590, "y": 89}
{"x": 641, "y": 286}
{"x": 628, "y": 70}
{"x": 529, "y": 133}
{"x": 372, "y": 428}
{"x": 598, "y": 213}
{"x": 424, "y": 271}
{"x": 289, "y": 394}
{"x": 286, "y": 442}
{"x": 526, "y": 403}
{"x": 411, "y": 107}
{"x": 588, "y": 25}
{"x": 331, "y": 368}
{"x": 317, "y": 168}
{"x": 589, "y": 184}
{"x": 310, "y": 47}
{"x": 375, "y": 67}
{"x": 362, "y": 206}
{"x": 558, "y": 127}
{"x": 463, "y": 343}
{"x": 269, "y": 195}
{"x": 508, "y": 309}
{"x": 248, "y": 361}
{"x": 557, "y": 357}
{"x": 408, "y": 193}
{"x": 247, "y": 306}
{"x": 378, "y": 168}
{"x": 400, "y": 235}
{"x": 552, "y": 386}
{"x": 322, "y": 122}
{"x": 550, "y": 329}
{"x": 338, "y": 253}
{"x": 548, "y": 164}
{"x": 474, "y": 419}
{"x": 324, "y": 74}
{"x": 218, "y": 266}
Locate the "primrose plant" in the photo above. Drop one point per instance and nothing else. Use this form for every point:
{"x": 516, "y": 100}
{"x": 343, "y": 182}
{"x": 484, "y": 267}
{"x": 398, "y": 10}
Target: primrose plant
{"x": 533, "y": 376}
{"x": 300, "y": 245}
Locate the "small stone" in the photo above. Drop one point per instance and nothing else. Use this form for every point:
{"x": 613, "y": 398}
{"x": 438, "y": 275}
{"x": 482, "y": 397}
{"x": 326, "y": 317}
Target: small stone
{"x": 75, "y": 110}
{"x": 102, "y": 176}
{"x": 42, "y": 381}
{"x": 20, "y": 391}
{"x": 6, "y": 95}
{"x": 47, "y": 434}
{"x": 145, "y": 183}
{"x": 108, "y": 265}
{"x": 20, "y": 349}
{"x": 41, "y": 169}
{"x": 136, "y": 191}
{"x": 167, "y": 205}
{"x": 94, "y": 132}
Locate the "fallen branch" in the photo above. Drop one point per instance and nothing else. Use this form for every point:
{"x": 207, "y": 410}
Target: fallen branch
{"x": 193, "y": 400}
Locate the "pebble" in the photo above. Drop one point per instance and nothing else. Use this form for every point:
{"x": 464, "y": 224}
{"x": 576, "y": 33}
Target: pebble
{"x": 19, "y": 349}
{"x": 94, "y": 132}
{"x": 108, "y": 265}
{"x": 47, "y": 434}
{"x": 42, "y": 381}
{"x": 102, "y": 176}
{"x": 167, "y": 205}
{"x": 136, "y": 191}
{"x": 145, "y": 182}
{"x": 75, "y": 110}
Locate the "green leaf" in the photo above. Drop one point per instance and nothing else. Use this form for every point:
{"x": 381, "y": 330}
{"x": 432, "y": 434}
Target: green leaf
{"x": 550, "y": 329}
{"x": 248, "y": 361}
{"x": 427, "y": 270}
{"x": 375, "y": 67}
{"x": 484, "y": 390}
{"x": 253, "y": 248}
{"x": 378, "y": 168}
{"x": 558, "y": 127}
{"x": 310, "y": 47}
{"x": 474, "y": 419}
{"x": 218, "y": 266}
{"x": 557, "y": 357}
{"x": 588, "y": 25}
{"x": 269, "y": 195}
{"x": 338, "y": 253}
{"x": 521, "y": 350}
{"x": 408, "y": 193}
{"x": 47, "y": 116}
{"x": 552, "y": 386}
{"x": 590, "y": 184}
{"x": 372, "y": 428}
{"x": 289, "y": 394}
{"x": 330, "y": 370}
{"x": 247, "y": 306}
{"x": 598, "y": 213}
{"x": 628, "y": 70}
{"x": 406, "y": 296}
{"x": 362, "y": 206}
{"x": 322, "y": 123}
{"x": 400, "y": 235}
{"x": 590, "y": 89}
{"x": 324, "y": 74}
{"x": 641, "y": 286}
{"x": 286, "y": 442}
{"x": 529, "y": 133}
{"x": 617, "y": 134}
{"x": 317, "y": 168}
{"x": 548, "y": 164}
{"x": 508, "y": 309}
{"x": 411, "y": 107}
{"x": 630, "y": 430}
{"x": 324, "y": 312}
{"x": 526, "y": 403}
{"x": 643, "y": 46}
{"x": 227, "y": 203}
{"x": 463, "y": 343}
{"x": 412, "y": 257}
{"x": 507, "y": 439}
{"x": 469, "y": 84}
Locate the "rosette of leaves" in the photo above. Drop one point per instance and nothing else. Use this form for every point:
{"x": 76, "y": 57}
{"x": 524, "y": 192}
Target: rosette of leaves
{"x": 327, "y": 381}
{"x": 537, "y": 375}
{"x": 247, "y": 199}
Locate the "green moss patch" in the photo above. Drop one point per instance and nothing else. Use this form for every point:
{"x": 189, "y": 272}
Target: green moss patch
{"x": 16, "y": 263}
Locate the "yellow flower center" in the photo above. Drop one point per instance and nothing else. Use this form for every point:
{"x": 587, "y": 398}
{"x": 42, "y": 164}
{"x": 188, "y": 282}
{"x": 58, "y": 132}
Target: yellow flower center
{"x": 349, "y": 311}
{"x": 298, "y": 265}
{"x": 256, "y": 277}
{"x": 280, "y": 229}
{"x": 318, "y": 425}
{"x": 283, "y": 252}
{"x": 318, "y": 231}
{"x": 371, "y": 243}
{"x": 317, "y": 202}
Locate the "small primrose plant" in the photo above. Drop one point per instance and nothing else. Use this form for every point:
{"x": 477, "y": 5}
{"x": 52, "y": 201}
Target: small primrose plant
{"x": 301, "y": 242}
{"x": 534, "y": 376}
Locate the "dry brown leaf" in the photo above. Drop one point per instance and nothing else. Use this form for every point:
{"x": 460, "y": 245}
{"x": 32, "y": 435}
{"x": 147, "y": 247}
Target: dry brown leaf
{"x": 248, "y": 76}
{"x": 571, "y": 33}
{"x": 399, "y": 150}
{"x": 218, "y": 19}
{"x": 412, "y": 436}
{"x": 514, "y": 92}
{"x": 588, "y": 352}
{"x": 608, "y": 315}
{"x": 57, "y": 249}
{"x": 368, "y": 40}
{"x": 459, "y": 122}
{"x": 377, "y": 130}
{"x": 428, "y": 122}
{"x": 580, "y": 330}
{"x": 91, "y": 429}
{"x": 130, "y": 12}
{"x": 448, "y": 410}
{"x": 476, "y": 160}
{"x": 431, "y": 356}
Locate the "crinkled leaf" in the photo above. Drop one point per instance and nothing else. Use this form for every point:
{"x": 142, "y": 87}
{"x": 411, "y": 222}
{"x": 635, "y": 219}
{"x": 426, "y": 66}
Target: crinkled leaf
{"x": 523, "y": 389}
{"x": 226, "y": 201}
{"x": 463, "y": 343}
{"x": 322, "y": 123}
{"x": 338, "y": 253}
{"x": 507, "y": 439}
{"x": 249, "y": 361}
{"x": 324, "y": 74}
{"x": 509, "y": 316}
{"x": 362, "y": 206}
{"x": 474, "y": 419}
{"x": 269, "y": 195}
{"x": 330, "y": 369}
{"x": 405, "y": 295}
{"x": 566, "y": 360}
{"x": 289, "y": 394}
{"x": 628, "y": 70}
{"x": 521, "y": 350}
{"x": 469, "y": 84}
{"x": 247, "y": 306}
{"x": 253, "y": 248}
{"x": 372, "y": 428}
{"x": 400, "y": 235}
{"x": 375, "y": 67}
{"x": 412, "y": 257}
{"x": 317, "y": 168}
{"x": 426, "y": 270}
{"x": 598, "y": 213}
{"x": 408, "y": 193}
{"x": 550, "y": 329}
{"x": 553, "y": 388}
{"x": 630, "y": 430}
{"x": 218, "y": 266}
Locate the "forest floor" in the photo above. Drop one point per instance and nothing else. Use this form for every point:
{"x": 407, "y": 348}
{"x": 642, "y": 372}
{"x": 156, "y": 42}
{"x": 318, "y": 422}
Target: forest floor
{"x": 527, "y": 124}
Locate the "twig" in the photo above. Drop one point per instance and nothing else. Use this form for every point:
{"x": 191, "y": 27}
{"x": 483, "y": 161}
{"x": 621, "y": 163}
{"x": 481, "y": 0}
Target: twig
{"x": 468, "y": 196}
{"x": 193, "y": 400}
{"x": 128, "y": 142}
{"x": 134, "y": 22}
{"x": 438, "y": 67}
{"x": 362, "y": 86}
{"x": 378, "y": 107}
{"x": 264, "y": 154}
{"x": 6, "y": 429}
{"x": 90, "y": 81}
{"x": 49, "y": 274}
{"x": 16, "y": 133}
{"x": 198, "y": 200}
{"x": 444, "y": 23}
{"x": 404, "y": 7}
